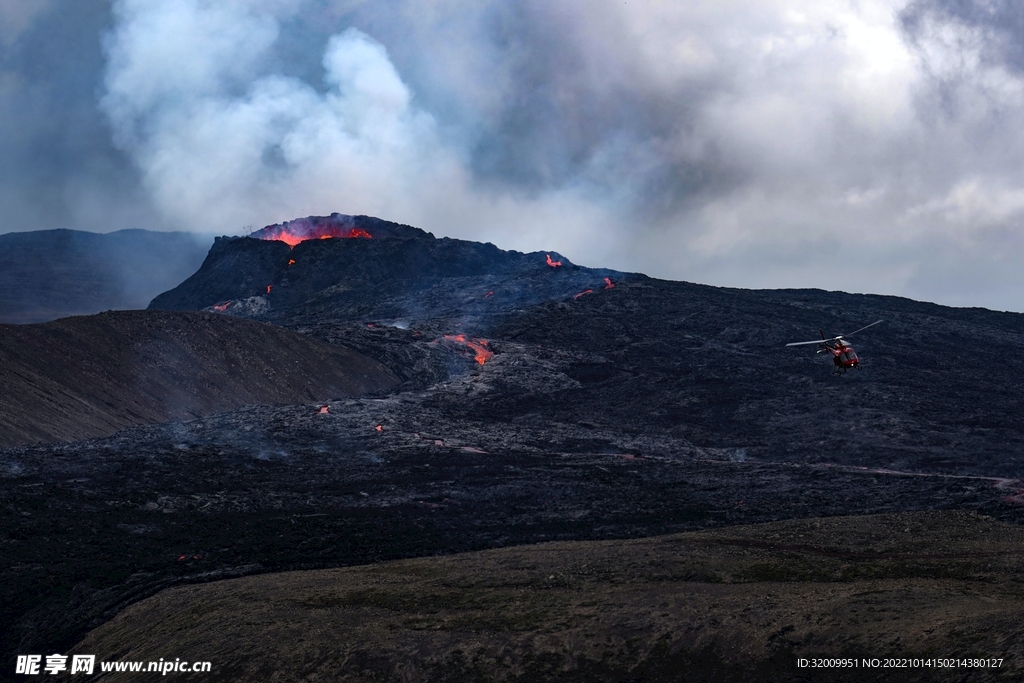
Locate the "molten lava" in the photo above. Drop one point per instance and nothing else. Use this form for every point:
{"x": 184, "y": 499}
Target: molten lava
{"x": 295, "y": 232}
{"x": 489, "y": 294}
{"x": 585, "y": 291}
{"x": 324, "y": 410}
{"x": 220, "y": 308}
{"x": 291, "y": 262}
{"x": 608, "y": 284}
{"x": 379, "y": 428}
{"x": 554, "y": 264}
{"x": 268, "y": 288}
{"x": 479, "y": 347}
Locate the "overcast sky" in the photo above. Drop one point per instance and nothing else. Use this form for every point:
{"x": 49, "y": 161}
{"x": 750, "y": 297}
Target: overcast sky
{"x": 863, "y": 145}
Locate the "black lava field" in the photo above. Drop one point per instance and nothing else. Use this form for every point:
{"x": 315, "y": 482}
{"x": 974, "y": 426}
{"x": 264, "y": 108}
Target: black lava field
{"x": 540, "y": 400}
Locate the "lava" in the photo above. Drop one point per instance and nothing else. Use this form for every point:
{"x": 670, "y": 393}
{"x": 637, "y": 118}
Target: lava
{"x": 554, "y": 264}
{"x": 324, "y": 410}
{"x": 608, "y": 284}
{"x": 479, "y": 346}
{"x": 295, "y": 232}
{"x": 379, "y": 428}
{"x": 291, "y": 262}
{"x": 268, "y": 288}
{"x": 220, "y": 308}
{"x": 585, "y": 291}
{"x": 489, "y": 294}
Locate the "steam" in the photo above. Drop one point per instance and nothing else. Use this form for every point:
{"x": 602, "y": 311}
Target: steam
{"x": 219, "y": 145}
{"x": 865, "y": 146}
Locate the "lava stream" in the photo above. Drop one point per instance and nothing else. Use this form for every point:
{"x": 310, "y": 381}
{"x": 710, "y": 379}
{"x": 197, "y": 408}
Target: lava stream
{"x": 585, "y": 291}
{"x": 554, "y": 264}
{"x": 220, "y": 308}
{"x": 479, "y": 346}
{"x": 608, "y": 284}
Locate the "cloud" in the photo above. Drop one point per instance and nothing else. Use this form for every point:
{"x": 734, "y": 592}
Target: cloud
{"x": 869, "y": 145}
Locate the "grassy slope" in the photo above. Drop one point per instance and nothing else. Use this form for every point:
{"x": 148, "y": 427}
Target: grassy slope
{"x": 738, "y": 603}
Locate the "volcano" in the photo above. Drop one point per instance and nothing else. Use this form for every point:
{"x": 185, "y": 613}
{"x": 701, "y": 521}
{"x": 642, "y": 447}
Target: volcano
{"x": 644, "y": 407}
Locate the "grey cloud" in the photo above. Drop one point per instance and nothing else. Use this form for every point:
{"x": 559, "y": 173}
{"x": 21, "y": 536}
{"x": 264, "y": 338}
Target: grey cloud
{"x": 1001, "y": 23}
{"x": 871, "y": 145}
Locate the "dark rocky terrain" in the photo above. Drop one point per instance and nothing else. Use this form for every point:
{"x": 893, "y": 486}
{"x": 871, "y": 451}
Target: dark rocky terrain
{"x": 49, "y": 274}
{"x": 88, "y": 376}
{"x": 530, "y": 409}
{"x": 732, "y": 604}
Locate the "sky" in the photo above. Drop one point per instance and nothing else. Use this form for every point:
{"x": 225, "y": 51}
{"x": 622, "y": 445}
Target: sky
{"x": 861, "y": 145}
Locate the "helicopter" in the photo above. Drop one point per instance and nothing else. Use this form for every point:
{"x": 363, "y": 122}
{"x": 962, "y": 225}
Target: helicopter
{"x": 843, "y": 355}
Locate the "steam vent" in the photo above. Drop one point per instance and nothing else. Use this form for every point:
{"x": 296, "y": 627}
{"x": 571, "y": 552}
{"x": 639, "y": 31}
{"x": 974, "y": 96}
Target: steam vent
{"x": 430, "y": 459}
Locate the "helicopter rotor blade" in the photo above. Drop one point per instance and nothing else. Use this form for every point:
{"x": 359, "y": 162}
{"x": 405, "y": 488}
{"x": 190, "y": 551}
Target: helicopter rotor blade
{"x": 860, "y": 330}
{"x": 816, "y": 341}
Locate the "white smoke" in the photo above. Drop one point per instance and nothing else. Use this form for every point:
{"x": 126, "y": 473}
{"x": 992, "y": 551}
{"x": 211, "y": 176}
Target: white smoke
{"x": 778, "y": 143}
{"x": 222, "y": 145}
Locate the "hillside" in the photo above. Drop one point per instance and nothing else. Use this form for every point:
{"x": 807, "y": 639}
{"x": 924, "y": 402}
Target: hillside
{"x": 535, "y": 400}
{"x": 735, "y": 604}
{"x": 89, "y": 376}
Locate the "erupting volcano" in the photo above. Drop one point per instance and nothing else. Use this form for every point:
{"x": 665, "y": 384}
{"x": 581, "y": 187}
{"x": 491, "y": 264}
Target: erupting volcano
{"x": 292, "y": 234}
{"x": 336, "y": 225}
{"x": 518, "y": 416}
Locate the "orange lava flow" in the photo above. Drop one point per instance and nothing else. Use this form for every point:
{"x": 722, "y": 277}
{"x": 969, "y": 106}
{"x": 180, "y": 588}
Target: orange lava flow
{"x": 291, "y": 262}
{"x": 585, "y": 291}
{"x": 268, "y": 288}
{"x": 324, "y": 410}
{"x": 489, "y": 294}
{"x": 291, "y": 237}
{"x": 379, "y": 428}
{"x": 553, "y": 264}
{"x": 479, "y": 347}
{"x": 220, "y": 308}
{"x": 608, "y": 284}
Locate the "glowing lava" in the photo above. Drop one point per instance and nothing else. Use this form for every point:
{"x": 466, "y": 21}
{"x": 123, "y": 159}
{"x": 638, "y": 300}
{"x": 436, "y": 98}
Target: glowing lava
{"x": 608, "y": 284}
{"x": 489, "y": 294}
{"x": 585, "y": 291}
{"x": 324, "y": 410}
{"x": 479, "y": 347}
{"x": 554, "y": 264}
{"x": 220, "y": 308}
{"x": 291, "y": 262}
{"x": 268, "y": 288}
{"x": 379, "y": 428}
{"x": 299, "y": 231}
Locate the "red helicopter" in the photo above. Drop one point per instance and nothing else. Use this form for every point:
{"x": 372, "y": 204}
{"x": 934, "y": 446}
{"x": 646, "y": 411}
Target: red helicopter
{"x": 843, "y": 355}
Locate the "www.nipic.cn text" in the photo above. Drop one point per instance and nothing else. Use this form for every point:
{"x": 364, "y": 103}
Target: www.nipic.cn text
{"x": 35, "y": 665}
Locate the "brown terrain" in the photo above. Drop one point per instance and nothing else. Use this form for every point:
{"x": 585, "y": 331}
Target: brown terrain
{"x": 732, "y": 604}
{"x": 89, "y": 376}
